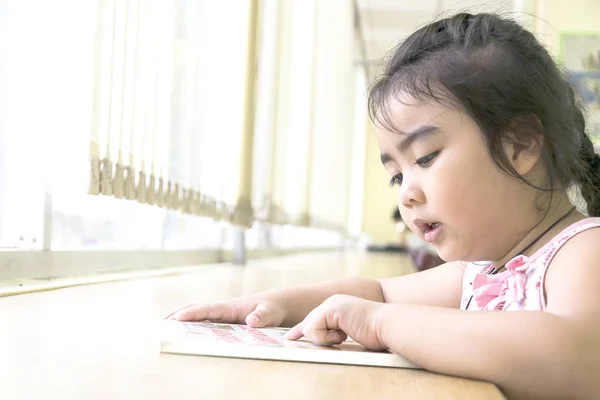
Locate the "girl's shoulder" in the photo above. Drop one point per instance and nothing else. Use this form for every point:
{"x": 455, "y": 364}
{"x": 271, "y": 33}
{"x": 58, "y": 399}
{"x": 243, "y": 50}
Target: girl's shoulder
{"x": 545, "y": 255}
{"x": 523, "y": 284}
{"x": 547, "y": 252}
{"x": 581, "y": 233}
{"x": 569, "y": 232}
{"x": 571, "y": 265}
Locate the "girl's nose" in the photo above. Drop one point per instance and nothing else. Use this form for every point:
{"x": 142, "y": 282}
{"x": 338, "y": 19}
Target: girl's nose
{"x": 410, "y": 194}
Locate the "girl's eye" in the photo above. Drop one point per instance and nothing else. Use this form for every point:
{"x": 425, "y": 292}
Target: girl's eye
{"x": 396, "y": 180}
{"x": 426, "y": 161}
{"x": 423, "y": 162}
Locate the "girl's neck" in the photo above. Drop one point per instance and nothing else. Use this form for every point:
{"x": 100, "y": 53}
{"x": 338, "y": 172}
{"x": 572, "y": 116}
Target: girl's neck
{"x": 561, "y": 214}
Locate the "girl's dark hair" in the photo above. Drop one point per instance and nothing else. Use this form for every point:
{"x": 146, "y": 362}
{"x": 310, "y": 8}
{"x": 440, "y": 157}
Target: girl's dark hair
{"x": 499, "y": 74}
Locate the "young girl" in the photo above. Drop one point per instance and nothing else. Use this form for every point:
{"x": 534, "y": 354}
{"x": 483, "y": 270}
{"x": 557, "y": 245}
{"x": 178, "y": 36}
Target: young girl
{"x": 480, "y": 131}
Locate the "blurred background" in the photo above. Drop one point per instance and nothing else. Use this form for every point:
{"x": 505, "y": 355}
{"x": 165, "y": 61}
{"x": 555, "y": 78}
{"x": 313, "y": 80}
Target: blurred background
{"x": 150, "y": 133}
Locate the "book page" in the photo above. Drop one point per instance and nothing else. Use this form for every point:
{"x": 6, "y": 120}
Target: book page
{"x": 243, "y": 334}
{"x": 242, "y": 341}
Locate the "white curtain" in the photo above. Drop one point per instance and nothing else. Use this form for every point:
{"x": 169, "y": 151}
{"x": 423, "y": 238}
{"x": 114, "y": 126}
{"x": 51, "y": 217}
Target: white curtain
{"x": 313, "y": 110}
{"x": 153, "y": 100}
{"x": 169, "y": 103}
{"x": 333, "y": 117}
{"x": 270, "y": 25}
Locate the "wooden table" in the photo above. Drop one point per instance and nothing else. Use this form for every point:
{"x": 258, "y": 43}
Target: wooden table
{"x": 100, "y": 342}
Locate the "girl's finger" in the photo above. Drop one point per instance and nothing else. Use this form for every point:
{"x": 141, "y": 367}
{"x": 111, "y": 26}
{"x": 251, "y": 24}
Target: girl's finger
{"x": 262, "y": 316}
{"x": 218, "y": 312}
{"x": 334, "y": 337}
{"x": 172, "y": 313}
{"x": 295, "y": 333}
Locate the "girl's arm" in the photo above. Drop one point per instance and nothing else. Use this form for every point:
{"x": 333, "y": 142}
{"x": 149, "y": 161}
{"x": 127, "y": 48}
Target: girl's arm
{"x": 552, "y": 354}
{"x": 288, "y": 306}
{"x": 298, "y": 301}
{"x": 530, "y": 354}
{"x": 278, "y": 307}
{"x": 436, "y": 286}
{"x": 525, "y": 353}
{"x": 440, "y": 286}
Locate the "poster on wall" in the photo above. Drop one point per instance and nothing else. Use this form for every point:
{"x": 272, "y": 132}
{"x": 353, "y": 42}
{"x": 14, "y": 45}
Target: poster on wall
{"x": 580, "y": 53}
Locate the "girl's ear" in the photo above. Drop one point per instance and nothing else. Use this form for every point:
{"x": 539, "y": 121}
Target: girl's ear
{"x": 524, "y": 144}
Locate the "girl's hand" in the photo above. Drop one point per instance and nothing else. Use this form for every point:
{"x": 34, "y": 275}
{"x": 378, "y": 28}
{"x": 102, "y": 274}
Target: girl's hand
{"x": 341, "y": 316}
{"x": 256, "y": 312}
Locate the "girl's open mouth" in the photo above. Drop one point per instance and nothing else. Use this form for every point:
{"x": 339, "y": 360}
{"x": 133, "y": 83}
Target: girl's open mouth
{"x": 430, "y": 230}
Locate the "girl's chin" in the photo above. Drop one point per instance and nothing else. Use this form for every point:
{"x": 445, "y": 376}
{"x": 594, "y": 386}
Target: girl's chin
{"x": 448, "y": 254}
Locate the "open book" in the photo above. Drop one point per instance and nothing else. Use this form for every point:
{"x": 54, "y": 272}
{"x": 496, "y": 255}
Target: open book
{"x": 242, "y": 341}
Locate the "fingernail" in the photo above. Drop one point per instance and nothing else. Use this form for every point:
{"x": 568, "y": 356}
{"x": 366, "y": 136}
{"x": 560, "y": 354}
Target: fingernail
{"x": 254, "y": 318}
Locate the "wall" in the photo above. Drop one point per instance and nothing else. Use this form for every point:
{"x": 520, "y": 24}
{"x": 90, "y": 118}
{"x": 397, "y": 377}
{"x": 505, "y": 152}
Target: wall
{"x": 556, "y": 16}
{"x": 379, "y": 197}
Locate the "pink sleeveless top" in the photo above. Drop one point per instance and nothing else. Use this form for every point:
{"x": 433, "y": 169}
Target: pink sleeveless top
{"x": 521, "y": 285}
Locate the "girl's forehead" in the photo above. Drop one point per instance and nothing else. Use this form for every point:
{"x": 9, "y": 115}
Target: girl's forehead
{"x": 404, "y": 115}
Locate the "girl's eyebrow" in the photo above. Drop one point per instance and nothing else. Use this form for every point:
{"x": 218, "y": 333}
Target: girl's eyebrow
{"x": 421, "y": 134}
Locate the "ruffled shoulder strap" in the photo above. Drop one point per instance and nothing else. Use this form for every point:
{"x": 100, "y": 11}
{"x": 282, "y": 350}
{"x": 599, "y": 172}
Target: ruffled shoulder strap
{"x": 550, "y": 249}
